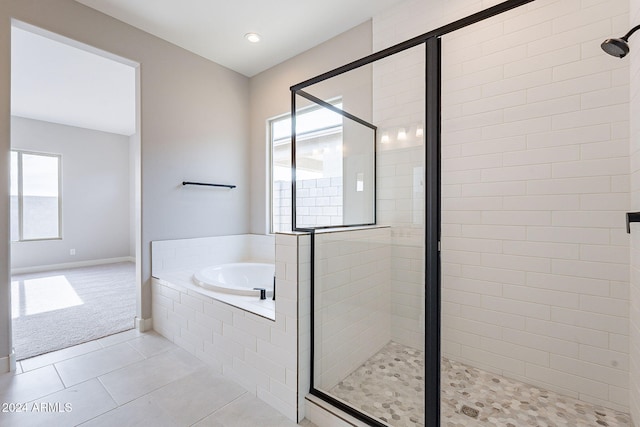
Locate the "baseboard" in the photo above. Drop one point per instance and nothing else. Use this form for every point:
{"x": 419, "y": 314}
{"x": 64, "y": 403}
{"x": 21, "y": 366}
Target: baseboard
{"x": 322, "y": 413}
{"x": 144, "y": 325}
{"x": 50, "y": 267}
{"x": 8, "y": 363}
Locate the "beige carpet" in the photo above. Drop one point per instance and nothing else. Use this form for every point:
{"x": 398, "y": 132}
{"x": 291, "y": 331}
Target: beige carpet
{"x": 57, "y": 309}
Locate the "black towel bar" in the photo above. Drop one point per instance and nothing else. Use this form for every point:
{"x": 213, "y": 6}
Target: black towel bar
{"x": 208, "y": 185}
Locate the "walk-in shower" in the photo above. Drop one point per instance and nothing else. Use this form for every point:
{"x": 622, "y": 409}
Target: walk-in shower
{"x": 375, "y": 270}
{"x": 368, "y": 264}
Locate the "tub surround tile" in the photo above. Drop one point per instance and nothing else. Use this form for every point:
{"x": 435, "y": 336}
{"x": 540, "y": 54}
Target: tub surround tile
{"x": 207, "y": 251}
{"x": 175, "y": 261}
{"x": 244, "y": 345}
{"x": 181, "y": 281}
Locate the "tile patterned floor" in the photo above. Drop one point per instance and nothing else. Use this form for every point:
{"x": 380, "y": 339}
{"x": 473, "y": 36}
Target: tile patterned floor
{"x": 128, "y": 379}
{"x": 389, "y": 386}
{"x": 133, "y": 379}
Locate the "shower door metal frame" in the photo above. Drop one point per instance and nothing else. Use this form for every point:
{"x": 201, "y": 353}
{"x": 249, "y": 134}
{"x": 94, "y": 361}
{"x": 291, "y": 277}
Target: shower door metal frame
{"x": 433, "y": 88}
{"x": 343, "y": 113}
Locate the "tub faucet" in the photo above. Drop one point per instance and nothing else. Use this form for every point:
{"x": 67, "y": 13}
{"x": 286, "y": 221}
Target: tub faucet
{"x": 263, "y": 293}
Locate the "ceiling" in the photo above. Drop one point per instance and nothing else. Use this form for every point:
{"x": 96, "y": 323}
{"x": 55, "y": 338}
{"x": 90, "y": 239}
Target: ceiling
{"x": 63, "y": 81}
{"x": 215, "y": 29}
{"x": 55, "y": 82}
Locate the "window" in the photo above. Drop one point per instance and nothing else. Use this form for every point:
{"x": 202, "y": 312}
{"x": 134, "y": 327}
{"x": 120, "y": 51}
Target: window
{"x": 35, "y": 196}
{"x": 319, "y": 157}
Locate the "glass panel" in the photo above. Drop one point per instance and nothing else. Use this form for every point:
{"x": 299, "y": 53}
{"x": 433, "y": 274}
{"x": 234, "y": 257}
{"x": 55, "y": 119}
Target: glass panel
{"x": 281, "y": 175}
{"x": 40, "y": 187}
{"x": 521, "y": 286}
{"x": 332, "y": 152}
{"x": 353, "y": 342}
{"x": 320, "y": 137}
{"x": 369, "y": 282}
{"x": 15, "y": 213}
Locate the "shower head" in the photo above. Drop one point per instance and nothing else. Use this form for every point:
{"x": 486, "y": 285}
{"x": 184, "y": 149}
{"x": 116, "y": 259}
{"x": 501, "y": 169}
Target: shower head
{"x": 618, "y": 47}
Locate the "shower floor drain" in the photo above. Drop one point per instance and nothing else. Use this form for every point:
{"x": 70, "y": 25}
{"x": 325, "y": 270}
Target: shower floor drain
{"x": 469, "y": 411}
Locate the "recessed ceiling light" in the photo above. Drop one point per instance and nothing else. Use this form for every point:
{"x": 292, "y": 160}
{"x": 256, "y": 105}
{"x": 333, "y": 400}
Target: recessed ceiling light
{"x": 252, "y": 37}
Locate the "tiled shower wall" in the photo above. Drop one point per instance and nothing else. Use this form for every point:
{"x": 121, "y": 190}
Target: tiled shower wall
{"x": 634, "y": 333}
{"x": 535, "y": 186}
{"x": 352, "y": 301}
{"x": 399, "y": 114}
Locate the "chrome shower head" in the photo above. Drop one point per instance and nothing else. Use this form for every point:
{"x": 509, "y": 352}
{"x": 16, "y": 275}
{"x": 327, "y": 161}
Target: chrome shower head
{"x": 615, "y": 47}
{"x": 618, "y": 47}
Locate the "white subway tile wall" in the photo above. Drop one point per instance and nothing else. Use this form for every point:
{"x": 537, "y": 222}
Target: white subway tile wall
{"x": 258, "y": 353}
{"x": 304, "y": 322}
{"x": 352, "y": 301}
{"x": 535, "y": 186}
{"x": 398, "y": 111}
{"x": 170, "y": 255}
{"x": 633, "y": 344}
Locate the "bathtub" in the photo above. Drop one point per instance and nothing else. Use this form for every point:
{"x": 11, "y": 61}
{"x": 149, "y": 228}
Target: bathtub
{"x": 239, "y": 278}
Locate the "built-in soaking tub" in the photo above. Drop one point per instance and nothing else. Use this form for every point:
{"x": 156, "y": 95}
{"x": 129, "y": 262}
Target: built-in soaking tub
{"x": 238, "y": 278}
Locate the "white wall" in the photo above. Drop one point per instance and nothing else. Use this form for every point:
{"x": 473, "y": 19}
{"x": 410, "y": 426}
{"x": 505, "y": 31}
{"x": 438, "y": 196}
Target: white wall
{"x": 194, "y": 119}
{"x": 535, "y": 186}
{"x": 95, "y": 193}
{"x": 634, "y": 330}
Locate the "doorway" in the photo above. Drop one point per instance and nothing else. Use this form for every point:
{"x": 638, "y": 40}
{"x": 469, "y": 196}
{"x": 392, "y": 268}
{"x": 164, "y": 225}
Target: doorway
{"x": 74, "y": 192}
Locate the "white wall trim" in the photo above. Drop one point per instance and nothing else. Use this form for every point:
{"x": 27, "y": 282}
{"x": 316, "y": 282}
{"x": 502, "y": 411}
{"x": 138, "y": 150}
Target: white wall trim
{"x": 49, "y": 267}
{"x": 8, "y": 363}
{"x": 144, "y": 325}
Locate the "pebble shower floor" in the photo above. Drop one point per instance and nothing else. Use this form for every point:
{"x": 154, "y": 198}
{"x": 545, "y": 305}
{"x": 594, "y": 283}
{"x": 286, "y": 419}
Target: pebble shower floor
{"x": 389, "y": 386}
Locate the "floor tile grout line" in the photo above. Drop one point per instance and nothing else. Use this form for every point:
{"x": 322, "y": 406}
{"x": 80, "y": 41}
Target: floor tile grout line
{"x": 83, "y": 354}
{"x": 106, "y": 412}
{"x": 63, "y": 360}
{"x": 144, "y": 357}
{"x": 108, "y": 372}
{"x": 149, "y": 392}
{"x": 109, "y": 393}
{"x": 55, "y": 368}
{"x": 220, "y": 408}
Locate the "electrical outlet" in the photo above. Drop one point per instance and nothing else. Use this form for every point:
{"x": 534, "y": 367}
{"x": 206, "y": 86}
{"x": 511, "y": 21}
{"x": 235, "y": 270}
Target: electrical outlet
{"x": 72, "y": 251}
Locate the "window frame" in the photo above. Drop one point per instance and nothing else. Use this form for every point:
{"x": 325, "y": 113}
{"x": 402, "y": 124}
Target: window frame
{"x": 270, "y": 147}
{"x": 20, "y": 195}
